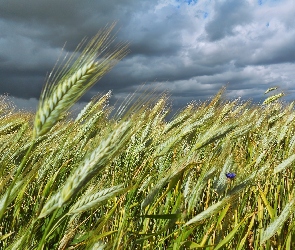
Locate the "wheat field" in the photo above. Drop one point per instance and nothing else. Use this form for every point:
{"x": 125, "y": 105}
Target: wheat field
{"x": 217, "y": 175}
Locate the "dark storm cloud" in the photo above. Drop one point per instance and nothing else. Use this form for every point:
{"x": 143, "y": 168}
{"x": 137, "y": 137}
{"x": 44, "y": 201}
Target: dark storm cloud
{"x": 275, "y": 52}
{"x": 58, "y": 21}
{"x": 227, "y": 15}
{"x": 190, "y": 48}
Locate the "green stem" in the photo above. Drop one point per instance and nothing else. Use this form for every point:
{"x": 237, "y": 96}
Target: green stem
{"x": 47, "y": 229}
{"x": 18, "y": 172}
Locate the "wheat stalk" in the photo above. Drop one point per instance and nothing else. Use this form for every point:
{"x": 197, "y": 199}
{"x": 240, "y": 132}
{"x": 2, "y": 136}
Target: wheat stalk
{"x": 270, "y": 89}
{"x": 273, "y": 98}
{"x": 211, "y": 210}
{"x": 66, "y": 86}
{"x": 90, "y": 201}
{"x": 278, "y": 222}
{"x": 58, "y": 97}
{"x": 285, "y": 164}
{"x": 93, "y": 163}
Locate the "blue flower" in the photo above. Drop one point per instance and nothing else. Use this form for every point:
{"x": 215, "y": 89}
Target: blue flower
{"x": 230, "y": 175}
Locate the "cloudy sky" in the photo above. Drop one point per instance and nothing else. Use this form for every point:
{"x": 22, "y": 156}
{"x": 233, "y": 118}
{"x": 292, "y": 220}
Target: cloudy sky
{"x": 191, "y": 48}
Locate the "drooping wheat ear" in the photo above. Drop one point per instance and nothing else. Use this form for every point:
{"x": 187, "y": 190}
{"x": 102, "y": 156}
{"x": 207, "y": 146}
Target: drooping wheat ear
{"x": 270, "y": 89}
{"x": 285, "y": 164}
{"x": 92, "y": 164}
{"x": 211, "y": 210}
{"x": 277, "y": 224}
{"x": 73, "y": 81}
{"x": 90, "y": 201}
{"x": 273, "y": 98}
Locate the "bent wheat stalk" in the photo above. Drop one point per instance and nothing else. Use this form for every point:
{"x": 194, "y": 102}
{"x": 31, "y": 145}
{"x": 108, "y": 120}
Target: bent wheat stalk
{"x": 58, "y": 97}
{"x": 66, "y": 87}
{"x": 92, "y": 164}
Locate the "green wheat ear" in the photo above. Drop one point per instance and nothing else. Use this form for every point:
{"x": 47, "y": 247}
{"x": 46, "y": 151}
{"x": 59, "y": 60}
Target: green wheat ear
{"x": 68, "y": 85}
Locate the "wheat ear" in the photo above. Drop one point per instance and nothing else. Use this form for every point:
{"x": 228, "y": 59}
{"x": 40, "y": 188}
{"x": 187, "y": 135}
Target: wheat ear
{"x": 90, "y": 201}
{"x": 92, "y": 164}
{"x": 72, "y": 82}
{"x": 277, "y": 224}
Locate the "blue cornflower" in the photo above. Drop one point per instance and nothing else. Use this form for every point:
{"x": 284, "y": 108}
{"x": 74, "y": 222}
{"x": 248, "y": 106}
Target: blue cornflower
{"x": 230, "y": 175}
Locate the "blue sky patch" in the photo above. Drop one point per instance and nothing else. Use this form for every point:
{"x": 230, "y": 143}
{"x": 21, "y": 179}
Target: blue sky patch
{"x": 189, "y": 2}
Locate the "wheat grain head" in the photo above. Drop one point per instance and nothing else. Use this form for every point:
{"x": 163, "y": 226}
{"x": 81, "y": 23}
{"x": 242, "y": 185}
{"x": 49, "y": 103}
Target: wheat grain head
{"x": 73, "y": 81}
{"x": 92, "y": 164}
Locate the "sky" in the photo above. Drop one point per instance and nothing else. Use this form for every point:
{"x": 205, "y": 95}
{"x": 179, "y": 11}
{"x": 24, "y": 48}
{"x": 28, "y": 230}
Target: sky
{"x": 189, "y": 48}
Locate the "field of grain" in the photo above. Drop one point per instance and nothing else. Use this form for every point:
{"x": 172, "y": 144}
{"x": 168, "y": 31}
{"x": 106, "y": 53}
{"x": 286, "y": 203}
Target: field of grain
{"x": 218, "y": 175}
